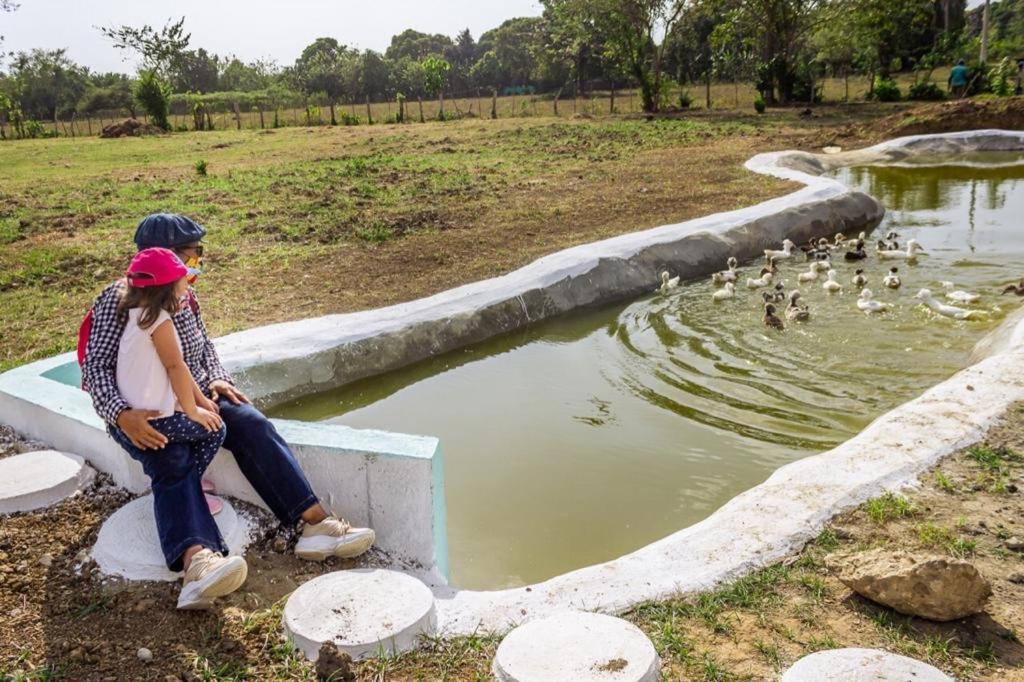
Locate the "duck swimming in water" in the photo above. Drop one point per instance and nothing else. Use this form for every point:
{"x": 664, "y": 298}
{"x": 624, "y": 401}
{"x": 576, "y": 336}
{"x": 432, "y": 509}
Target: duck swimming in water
{"x": 811, "y": 275}
{"x": 796, "y": 311}
{"x": 910, "y": 255}
{"x": 959, "y": 296}
{"x": 776, "y": 296}
{"x": 769, "y": 266}
{"x": 787, "y": 251}
{"x": 729, "y": 275}
{"x": 859, "y": 280}
{"x": 892, "y": 280}
{"x": 765, "y": 280}
{"x": 1017, "y": 289}
{"x": 858, "y": 252}
{"x": 831, "y": 285}
{"x": 822, "y": 251}
{"x": 867, "y": 303}
{"x": 726, "y": 292}
{"x": 770, "y": 319}
{"x": 668, "y": 284}
{"x": 926, "y": 298}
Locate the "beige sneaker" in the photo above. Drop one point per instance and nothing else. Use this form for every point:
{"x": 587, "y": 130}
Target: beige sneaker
{"x": 209, "y": 576}
{"x": 333, "y": 537}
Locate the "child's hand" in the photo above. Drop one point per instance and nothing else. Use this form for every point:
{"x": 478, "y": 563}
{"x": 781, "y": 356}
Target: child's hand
{"x": 210, "y": 421}
{"x": 207, "y": 404}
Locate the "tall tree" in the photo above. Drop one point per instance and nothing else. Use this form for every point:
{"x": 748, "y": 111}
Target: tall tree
{"x": 629, "y": 31}
{"x": 47, "y": 83}
{"x": 321, "y": 69}
{"x": 159, "y": 50}
{"x": 411, "y": 44}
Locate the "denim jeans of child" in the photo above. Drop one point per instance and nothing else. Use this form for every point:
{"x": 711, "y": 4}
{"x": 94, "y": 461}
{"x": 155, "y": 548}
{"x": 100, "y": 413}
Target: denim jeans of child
{"x": 182, "y": 516}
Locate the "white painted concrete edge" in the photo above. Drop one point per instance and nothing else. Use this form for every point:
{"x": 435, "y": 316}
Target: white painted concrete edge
{"x": 46, "y": 477}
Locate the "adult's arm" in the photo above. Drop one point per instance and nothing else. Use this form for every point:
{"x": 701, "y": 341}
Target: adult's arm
{"x": 214, "y": 368}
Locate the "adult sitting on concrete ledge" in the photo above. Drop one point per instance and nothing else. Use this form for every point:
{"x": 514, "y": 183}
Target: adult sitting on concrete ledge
{"x": 188, "y": 535}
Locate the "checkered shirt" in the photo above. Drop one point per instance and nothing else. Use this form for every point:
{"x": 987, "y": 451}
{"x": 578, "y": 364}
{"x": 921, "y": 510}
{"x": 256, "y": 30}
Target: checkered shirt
{"x": 99, "y": 372}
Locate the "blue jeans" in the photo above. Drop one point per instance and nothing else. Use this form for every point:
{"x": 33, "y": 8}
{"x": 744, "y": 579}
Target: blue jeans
{"x": 182, "y": 516}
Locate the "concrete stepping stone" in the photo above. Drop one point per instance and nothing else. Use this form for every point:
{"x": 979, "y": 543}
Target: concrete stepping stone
{"x": 576, "y": 646}
{"x": 862, "y": 665}
{"x": 361, "y": 611}
{"x": 128, "y": 544}
{"x": 33, "y": 480}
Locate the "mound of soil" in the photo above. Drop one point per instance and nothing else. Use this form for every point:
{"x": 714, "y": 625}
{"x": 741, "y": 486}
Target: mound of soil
{"x": 947, "y": 117}
{"x": 130, "y": 127}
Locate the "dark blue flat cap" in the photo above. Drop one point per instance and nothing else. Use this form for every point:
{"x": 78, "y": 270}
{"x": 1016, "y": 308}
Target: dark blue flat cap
{"x": 167, "y": 230}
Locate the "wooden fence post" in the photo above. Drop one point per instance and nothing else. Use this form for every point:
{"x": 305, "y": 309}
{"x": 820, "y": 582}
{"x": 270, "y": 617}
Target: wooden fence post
{"x": 369, "y": 114}
{"x": 238, "y": 116}
{"x": 494, "y": 104}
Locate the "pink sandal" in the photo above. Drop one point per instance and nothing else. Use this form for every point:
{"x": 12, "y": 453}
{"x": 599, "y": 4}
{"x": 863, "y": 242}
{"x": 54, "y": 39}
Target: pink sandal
{"x": 214, "y": 503}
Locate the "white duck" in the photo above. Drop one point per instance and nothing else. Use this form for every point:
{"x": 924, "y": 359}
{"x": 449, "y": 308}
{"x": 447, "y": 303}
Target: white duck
{"x": 810, "y": 276}
{"x": 867, "y": 303}
{"x": 729, "y": 275}
{"x": 926, "y": 298}
{"x": 668, "y": 284}
{"x": 913, "y": 248}
{"x": 831, "y": 285}
{"x": 787, "y": 251}
{"x": 959, "y": 296}
{"x": 892, "y": 280}
{"x": 765, "y": 280}
{"x": 852, "y": 243}
{"x": 728, "y": 291}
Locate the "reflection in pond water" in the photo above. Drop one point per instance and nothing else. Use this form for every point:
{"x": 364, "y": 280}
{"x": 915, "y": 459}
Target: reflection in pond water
{"x": 587, "y": 437}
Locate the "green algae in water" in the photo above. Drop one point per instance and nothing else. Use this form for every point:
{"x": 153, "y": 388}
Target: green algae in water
{"x": 587, "y": 437}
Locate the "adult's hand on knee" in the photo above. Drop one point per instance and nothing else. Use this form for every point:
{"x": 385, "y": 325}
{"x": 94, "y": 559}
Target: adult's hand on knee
{"x": 223, "y": 389}
{"x": 135, "y": 425}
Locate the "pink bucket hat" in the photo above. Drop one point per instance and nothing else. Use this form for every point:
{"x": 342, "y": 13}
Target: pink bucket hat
{"x": 155, "y": 267}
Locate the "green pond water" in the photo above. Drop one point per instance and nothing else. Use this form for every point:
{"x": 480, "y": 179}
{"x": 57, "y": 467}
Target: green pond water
{"x": 587, "y": 437}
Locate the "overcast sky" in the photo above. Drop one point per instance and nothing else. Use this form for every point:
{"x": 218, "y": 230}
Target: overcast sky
{"x": 251, "y": 29}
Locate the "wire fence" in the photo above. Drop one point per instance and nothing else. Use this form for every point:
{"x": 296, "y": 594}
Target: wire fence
{"x": 476, "y": 104}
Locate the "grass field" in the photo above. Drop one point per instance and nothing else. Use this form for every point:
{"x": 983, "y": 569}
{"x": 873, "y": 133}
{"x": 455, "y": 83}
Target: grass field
{"x": 305, "y": 221}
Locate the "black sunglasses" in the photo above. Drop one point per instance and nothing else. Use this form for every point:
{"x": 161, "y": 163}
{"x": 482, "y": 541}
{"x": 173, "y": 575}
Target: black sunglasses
{"x": 198, "y": 249}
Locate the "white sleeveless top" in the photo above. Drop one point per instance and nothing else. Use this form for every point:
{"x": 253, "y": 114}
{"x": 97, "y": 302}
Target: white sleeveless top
{"x": 141, "y": 377}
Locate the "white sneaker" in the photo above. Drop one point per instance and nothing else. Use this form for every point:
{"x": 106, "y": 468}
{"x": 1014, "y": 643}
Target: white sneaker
{"x": 209, "y": 576}
{"x": 333, "y": 537}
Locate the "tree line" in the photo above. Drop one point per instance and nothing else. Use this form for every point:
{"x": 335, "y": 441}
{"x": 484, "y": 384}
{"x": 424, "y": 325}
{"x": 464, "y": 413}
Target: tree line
{"x": 784, "y": 47}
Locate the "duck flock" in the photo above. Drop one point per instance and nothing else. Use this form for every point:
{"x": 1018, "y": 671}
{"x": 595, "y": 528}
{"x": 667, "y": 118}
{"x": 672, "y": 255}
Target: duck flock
{"x": 821, "y": 255}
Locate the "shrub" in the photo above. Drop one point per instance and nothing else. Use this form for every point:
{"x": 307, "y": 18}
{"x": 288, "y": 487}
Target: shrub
{"x": 685, "y": 100}
{"x": 1000, "y": 78}
{"x": 347, "y": 119}
{"x": 154, "y": 97}
{"x": 201, "y": 167}
{"x": 886, "y": 90}
{"x": 926, "y": 91}
{"x": 34, "y": 129}
{"x": 759, "y": 105}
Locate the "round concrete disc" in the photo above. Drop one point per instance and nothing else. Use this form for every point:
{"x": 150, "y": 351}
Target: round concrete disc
{"x": 34, "y": 480}
{"x": 576, "y": 646}
{"x": 861, "y": 665}
{"x": 360, "y": 611}
{"x": 128, "y": 544}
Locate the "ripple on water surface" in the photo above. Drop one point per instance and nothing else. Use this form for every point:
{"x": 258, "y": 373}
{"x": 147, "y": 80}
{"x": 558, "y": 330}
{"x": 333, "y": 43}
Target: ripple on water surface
{"x": 587, "y": 437}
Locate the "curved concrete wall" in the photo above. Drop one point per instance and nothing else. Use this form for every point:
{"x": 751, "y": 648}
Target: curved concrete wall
{"x": 395, "y": 482}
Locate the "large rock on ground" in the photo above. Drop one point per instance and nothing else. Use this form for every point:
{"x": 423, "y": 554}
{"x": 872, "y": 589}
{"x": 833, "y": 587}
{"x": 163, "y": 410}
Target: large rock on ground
{"x": 928, "y": 586}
